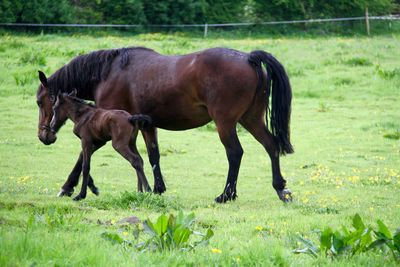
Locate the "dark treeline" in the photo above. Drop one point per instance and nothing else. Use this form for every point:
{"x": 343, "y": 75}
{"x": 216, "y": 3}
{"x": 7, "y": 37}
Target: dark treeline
{"x": 184, "y": 11}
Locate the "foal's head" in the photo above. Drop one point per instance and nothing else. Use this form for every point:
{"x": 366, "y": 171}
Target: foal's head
{"x": 60, "y": 111}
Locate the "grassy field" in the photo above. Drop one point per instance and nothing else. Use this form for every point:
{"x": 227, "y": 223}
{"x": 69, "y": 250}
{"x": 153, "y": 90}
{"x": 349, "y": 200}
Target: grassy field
{"x": 345, "y": 130}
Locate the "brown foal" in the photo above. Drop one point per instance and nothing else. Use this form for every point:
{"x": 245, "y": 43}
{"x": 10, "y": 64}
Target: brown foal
{"x": 95, "y": 126}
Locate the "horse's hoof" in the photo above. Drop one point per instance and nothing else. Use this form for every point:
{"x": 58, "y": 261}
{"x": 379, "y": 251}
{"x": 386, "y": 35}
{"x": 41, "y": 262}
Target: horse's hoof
{"x": 64, "y": 192}
{"x": 224, "y": 197}
{"x": 159, "y": 189}
{"x": 79, "y": 197}
{"x": 285, "y": 195}
{"x": 94, "y": 190}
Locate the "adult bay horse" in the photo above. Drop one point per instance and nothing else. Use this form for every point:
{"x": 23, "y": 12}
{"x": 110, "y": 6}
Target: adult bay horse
{"x": 179, "y": 93}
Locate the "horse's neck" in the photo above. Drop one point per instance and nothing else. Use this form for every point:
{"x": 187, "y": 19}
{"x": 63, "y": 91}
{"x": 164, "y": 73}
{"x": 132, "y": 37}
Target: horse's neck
{"x": 77, "y": 111}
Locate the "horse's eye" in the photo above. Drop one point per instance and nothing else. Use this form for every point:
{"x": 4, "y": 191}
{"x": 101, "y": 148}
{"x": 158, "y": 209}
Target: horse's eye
{"x": 39, "y": 103}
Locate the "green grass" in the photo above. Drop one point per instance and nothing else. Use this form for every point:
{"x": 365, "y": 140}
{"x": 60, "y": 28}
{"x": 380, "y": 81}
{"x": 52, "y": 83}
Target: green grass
{"x": 345, "y": 126}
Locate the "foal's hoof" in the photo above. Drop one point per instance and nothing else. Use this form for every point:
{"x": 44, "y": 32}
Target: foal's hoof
{"x": 224, "y": 197}
{"x": 64, "y": 192}
{"x": 94, "y": 190}
{"x": 285, "y": 195}
{"x": 79, "y": 197}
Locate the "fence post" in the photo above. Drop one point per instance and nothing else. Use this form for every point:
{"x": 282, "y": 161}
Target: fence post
{"x": 205, "y": 30}
{"x": 367, "y": 21}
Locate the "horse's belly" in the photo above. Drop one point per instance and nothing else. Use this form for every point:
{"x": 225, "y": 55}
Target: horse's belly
{"x": 182, "y": 120}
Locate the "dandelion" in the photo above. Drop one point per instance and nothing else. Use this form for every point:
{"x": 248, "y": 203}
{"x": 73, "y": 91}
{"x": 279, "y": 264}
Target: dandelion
{"x": 125, "y": 233}
{"x": 259, "y": 228}
{"x": 371, "y": 209}
{"x": 216, "y": 250}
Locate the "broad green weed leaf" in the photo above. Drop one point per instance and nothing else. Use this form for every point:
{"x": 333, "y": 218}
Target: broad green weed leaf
{"x": 384, "y": 230}
{"x": 376, "y": 243}
{"x": 149, "y": 228}
{"x": 326, "y": 239}
{"x": 310, "y": 247}
{"x": 210, "y": 234}
{"x": 396, "y": 240}
{"x": 357, "y": 222}
{"x": 161, "y": 226}
{"x": 181, "y": 235}
{"x": 114, "y": 238}
{"x": 337, "y": 243}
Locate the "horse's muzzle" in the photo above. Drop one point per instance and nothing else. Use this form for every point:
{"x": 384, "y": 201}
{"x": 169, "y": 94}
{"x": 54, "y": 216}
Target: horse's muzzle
{"x": 47, "y": 137}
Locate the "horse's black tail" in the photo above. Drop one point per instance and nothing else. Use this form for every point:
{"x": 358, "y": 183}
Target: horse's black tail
{"x": 281, "y": 97}
{"x": 141, "y": 121}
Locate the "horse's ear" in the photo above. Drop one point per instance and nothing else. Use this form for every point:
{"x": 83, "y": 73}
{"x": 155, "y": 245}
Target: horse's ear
{"x": 42, "y": 78}
{"x": 73, "y": 93}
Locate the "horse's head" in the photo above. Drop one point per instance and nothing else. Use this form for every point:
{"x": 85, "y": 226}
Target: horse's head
{"x": 44, "y": 102}
{"x": 60, "y": 115}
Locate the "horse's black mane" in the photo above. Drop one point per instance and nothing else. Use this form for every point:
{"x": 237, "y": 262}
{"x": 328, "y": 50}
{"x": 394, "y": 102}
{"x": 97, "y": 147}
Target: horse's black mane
{"x": 85, "y": 72}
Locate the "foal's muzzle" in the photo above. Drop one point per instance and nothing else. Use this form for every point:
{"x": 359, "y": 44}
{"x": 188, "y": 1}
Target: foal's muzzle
{"x": 46, "y": 135}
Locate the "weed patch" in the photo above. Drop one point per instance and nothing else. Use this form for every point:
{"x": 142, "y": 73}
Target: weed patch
{"x": 166, "y": 234}
{"x": 346, "y": 242}
{"x": 135, "y": 200}
{"x": 358, "y": 61}
{"x": 387, "y": 74}
{"x": 33, "y": 58}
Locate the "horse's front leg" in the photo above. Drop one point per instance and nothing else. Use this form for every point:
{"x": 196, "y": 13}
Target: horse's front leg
{"x": 86, "y": 154}
{"x": 150, "y": 138}
{"x": 68, "y": 188}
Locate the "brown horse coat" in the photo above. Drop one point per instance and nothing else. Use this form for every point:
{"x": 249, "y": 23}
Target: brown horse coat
{"x": 184, "y": 92}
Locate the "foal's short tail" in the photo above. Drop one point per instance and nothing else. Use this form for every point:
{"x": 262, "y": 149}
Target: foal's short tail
{"x": 141, "y": 121}
{"x": 281, "y": 97}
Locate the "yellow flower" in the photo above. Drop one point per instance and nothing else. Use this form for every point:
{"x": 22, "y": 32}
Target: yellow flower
{"x": 259, "y": 228}
{"x": 215, "y": 250}
{"x": 112, "y": 221}
{"x": 125, "y": 233}
{"x": 371, "y": 208}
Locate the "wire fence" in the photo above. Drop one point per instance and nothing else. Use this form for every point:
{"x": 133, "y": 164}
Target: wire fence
{"x": 365, "y": 18}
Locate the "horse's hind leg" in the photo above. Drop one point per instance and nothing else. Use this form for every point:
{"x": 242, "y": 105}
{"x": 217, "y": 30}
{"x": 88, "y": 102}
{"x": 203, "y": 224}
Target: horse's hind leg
{"x": 150, "y": 138}
{"x": 135, "y": 161}
{"x": 234, "y": 152}
{"x": 259, "y": 130}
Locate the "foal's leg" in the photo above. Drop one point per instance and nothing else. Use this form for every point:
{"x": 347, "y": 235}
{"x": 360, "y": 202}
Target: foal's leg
{"x": 86, "y": 155}
{"x": 227, "y": 134}
{"x": 133, "y": 147}
{"x": 68, "y": 188}
{"x": 135, "y": 161}
{"x": 150, "y": 138}
{"x": 259, "y": 130}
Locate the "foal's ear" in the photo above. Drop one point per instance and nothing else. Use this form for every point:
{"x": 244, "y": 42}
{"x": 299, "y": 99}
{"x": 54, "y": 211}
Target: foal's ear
{"x": 42, "y": 78}
{"x": 73, "y": 93}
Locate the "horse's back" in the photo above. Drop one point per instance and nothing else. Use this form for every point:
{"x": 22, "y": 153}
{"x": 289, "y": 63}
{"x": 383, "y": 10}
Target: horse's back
{"x": 184, "y": 91}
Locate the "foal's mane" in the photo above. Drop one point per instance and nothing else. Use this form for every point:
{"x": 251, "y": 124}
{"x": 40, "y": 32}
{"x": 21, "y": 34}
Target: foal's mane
{"x": 81, "y": 101}
{"x": 85, "y": 72}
